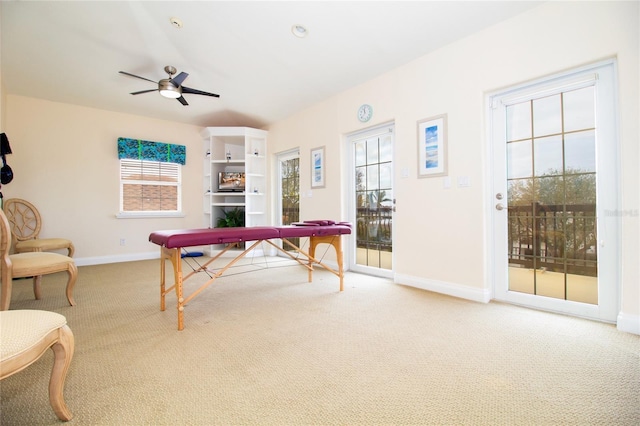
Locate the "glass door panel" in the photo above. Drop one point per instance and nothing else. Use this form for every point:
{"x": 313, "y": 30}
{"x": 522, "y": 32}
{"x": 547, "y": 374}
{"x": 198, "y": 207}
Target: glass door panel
{"x": 551, "y": 182}
{"x": 289, "y": 178}
{"x": 373, "y": 199}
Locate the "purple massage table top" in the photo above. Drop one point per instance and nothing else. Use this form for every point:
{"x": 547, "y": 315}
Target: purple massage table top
{"x": 205, "y": 236}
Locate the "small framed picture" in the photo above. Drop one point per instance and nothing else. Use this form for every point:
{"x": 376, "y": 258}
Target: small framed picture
{"x": 432, "y": 146}
{"x": 317, "y": 167}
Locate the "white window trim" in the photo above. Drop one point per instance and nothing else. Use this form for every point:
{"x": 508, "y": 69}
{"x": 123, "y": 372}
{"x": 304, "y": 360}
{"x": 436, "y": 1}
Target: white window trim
{"x": 149, "y": 214}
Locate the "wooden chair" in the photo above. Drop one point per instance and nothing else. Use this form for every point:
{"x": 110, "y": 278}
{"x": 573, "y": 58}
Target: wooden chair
{"x": 34, "y": 265}
{"x": 26, "y": 336}
{"x": 26, "y": 223}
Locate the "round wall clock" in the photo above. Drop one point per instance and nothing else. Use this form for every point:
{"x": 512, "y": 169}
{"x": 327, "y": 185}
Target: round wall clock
{"x": 365, "y": 112}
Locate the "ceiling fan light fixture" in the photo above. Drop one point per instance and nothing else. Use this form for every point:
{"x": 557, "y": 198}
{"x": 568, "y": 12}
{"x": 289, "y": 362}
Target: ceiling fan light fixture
{"x": 170, "y": 87}
{"x": 168, "y": 90}
{"x": 170, "y": 94}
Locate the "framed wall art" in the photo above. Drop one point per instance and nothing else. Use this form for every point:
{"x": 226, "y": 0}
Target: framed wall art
{"x": 317, "y": 167}
{"x": 432, "y": 146}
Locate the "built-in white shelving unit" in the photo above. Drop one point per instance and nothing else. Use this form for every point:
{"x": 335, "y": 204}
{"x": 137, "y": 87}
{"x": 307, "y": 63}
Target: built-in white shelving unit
{"x": 235, "y": 149}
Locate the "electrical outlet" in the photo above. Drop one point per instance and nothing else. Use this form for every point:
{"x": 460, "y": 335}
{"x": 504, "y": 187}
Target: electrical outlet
{"x": 122, "y": 241}
{"x": 464, "y": 181}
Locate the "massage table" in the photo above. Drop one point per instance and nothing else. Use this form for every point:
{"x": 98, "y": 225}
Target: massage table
{"x": 174, "y": 241}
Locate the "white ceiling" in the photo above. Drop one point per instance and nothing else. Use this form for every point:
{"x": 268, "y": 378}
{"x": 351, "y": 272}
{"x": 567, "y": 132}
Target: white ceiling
{"x": 71, "y": 52}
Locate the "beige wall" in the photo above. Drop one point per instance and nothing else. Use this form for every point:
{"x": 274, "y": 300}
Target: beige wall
{"x": 65, "y": 161}
{"x": 2, "y": 99}
{"x": 2, "y": 102}
{"x": 429, "y": 252}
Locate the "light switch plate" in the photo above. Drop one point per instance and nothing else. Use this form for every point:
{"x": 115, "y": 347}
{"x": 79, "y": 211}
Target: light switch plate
{"x": 446, "y": 182}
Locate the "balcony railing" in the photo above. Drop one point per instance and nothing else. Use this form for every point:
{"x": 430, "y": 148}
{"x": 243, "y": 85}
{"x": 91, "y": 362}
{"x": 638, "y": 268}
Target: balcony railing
{"x": 555, "y": 237}
{"x": 374, "y": 228}
{"x": 290, "y": 215}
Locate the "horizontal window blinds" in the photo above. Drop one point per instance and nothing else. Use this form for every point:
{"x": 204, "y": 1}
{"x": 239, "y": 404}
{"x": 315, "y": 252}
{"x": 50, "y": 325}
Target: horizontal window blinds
{"x": 149, "y": 171}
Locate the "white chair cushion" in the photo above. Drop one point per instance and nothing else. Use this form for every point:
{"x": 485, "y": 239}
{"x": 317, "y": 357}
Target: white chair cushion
{"x": 21, "y": 329}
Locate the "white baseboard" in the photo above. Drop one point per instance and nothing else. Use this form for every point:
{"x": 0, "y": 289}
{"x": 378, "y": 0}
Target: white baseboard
{"x": 100, "y": 260}
{"x": 451, "y": 289}
{"x": 628, "y": 323}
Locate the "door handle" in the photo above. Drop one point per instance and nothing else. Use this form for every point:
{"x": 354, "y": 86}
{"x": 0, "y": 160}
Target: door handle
{"x": 499, "y": 206}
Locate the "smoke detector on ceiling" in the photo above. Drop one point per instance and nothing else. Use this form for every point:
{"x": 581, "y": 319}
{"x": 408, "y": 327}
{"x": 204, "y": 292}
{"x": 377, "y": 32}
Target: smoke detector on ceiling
{"x": 176, "y": 22}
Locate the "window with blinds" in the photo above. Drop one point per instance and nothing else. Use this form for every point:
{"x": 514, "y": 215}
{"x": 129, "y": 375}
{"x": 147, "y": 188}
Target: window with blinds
{"x": 150, "y": 186}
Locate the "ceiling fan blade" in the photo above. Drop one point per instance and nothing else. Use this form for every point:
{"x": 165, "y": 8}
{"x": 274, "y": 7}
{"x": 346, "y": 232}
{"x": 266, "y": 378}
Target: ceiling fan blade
{"x": 198, "y": 92}
{"x": 177, "y": 80}
{"x": 183, "y": 101}
{"x": 144, "y": 91}
{"x": 137, "y": 76}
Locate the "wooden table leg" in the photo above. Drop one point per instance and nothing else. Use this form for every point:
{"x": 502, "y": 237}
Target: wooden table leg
{"x": 162, "y": 279}
{"x": 176, "y": 259}
{"x": 336, "y": 242}
{"x": 173, "y": 255}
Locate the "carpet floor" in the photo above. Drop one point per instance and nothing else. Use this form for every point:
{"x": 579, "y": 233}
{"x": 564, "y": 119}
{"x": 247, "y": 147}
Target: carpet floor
{"x": 269, "y": 348}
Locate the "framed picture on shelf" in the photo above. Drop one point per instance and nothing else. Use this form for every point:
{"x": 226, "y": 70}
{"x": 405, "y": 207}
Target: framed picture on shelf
{"x": 317, "y": 167}
{"x": 432, "y": 146}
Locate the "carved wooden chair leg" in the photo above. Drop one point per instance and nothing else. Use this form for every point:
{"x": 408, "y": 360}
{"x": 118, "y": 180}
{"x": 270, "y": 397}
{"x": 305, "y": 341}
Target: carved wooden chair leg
{"x": 5, "y": 298}
{"x": 73, "y": 276}
{"x": 63, "y": 353}
{"x": 37, "y": 287}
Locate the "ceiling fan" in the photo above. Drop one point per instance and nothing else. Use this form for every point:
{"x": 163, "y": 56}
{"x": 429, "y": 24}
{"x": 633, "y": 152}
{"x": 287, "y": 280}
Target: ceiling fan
{"x": 171, "y": 87}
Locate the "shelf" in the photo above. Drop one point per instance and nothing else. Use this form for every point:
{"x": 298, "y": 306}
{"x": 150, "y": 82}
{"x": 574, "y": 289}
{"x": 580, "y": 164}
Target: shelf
{"x": 229, "y": 194}
{"x": 241, "y": 144}
{"x": 230, "y": 162}
{"x": 228, "y": 204}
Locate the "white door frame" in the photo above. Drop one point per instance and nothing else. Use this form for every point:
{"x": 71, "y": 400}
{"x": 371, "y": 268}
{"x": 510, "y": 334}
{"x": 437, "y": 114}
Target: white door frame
{"x": 279, "y": 158}
{"x": 603, "y": 76}
{"x": 381, "y": 129}
{"x": 277, "y": 190}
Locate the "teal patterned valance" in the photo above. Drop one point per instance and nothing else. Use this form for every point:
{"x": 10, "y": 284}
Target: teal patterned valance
{"x": 137, "y": 149}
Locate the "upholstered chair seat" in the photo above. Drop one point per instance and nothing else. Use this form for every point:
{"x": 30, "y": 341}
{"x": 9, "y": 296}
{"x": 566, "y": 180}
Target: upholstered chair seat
{"x": 44, "y": 244}
{"x": 25, "y": 337}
